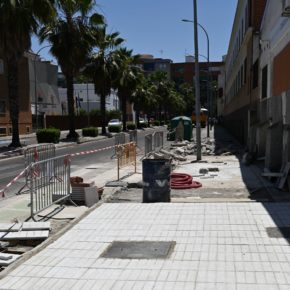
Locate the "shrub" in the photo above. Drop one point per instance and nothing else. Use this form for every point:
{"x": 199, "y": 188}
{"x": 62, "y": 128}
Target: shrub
{"x": 156, "y": 123}
{"x": 143, "y": 125}
{"x": 83, "y": 112}
{"x": 95, "y": 113}
{"x": 114, "y": 114}
{"x": 90, "y": 131}
{"x": 131, "y": 126}
{"x": 115, "y": 129}
{"x": 162, "y": 123}
{"x": 50, "y": 135}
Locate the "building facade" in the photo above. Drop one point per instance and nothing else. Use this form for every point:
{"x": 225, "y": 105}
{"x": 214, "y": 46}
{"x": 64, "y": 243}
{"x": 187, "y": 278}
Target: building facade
{"x": 25, "y": 120}
{"x": 274, "y": 79}
{"x": 241, "y": 73}
{"x": 43, "y": 85}
{"x": 149, "y": 64}
{"x": 256, "y": 91}
{"x": 184, "y": 73}
{"x": 85, "y": 98}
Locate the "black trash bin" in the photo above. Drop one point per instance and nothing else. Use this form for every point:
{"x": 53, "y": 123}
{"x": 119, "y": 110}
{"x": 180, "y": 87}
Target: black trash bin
{"x": 156, "y": 180}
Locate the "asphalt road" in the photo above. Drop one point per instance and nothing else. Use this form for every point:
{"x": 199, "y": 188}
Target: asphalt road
{"x": 11, "y": 167}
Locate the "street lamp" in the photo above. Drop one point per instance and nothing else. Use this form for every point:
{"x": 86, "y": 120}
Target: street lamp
{"x": 209, "y": 75}
{"x": 35, "y": 85}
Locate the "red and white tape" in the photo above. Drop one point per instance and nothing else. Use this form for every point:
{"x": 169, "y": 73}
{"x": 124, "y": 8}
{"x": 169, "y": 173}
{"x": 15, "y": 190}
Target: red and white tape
{"x": 96, "y": 150}
{"x": 13, "y": 181}
{"x": 66, "y": 161}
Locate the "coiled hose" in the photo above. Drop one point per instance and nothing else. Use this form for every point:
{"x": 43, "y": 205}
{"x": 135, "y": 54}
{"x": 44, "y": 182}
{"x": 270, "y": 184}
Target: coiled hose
{"x": 183, "y": 181}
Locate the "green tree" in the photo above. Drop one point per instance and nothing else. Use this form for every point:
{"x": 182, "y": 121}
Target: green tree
{"x": 127, "y": 79}
{"x": 19, "y": 19}
{"x": 162, "y": 88}
{"x": 72, "y": 35}
{"x": 103, "y": 67}
{"x": 142, "y": 97}
{"x": 187, "y": 92}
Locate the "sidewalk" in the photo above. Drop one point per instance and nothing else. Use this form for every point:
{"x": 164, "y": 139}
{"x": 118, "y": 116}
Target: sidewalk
{"x": 223, "y": 236}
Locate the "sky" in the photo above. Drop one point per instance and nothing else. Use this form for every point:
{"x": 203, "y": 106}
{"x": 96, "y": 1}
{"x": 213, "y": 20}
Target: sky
{"x": 155, "y": 26}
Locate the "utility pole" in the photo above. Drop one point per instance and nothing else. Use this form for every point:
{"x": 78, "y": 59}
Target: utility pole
{"x": 197, "y": 85}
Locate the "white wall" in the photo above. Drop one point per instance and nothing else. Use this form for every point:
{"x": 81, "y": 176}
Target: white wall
{"x": 275, "y": 35}
{"x": 89, "y": 100}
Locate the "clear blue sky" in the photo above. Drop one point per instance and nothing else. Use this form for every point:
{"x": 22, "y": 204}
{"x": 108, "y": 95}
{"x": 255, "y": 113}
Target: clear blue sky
{"x": 155, "y": 27}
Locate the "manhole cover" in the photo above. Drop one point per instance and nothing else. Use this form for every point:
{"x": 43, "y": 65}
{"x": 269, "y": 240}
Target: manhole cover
{"x": 278, "y": 232}
{"x": 139, "y": 250}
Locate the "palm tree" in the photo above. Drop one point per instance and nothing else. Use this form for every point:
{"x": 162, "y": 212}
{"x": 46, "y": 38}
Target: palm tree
{"x": 162, "y": 88}
{"x": 19, "y": 19}
{"x": 72, "y": 35}
{"x": 102, "y": 67}
{"x": 187, "y": 92}
{"x": 142, "y": 97}
{"x": 127, "y": 80}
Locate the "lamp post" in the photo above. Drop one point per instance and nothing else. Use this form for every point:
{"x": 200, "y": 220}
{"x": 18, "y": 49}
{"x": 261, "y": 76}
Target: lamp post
{"x": 209, "y": 75}
{"x": 35, "y": 85}
{"x": 197, "y": 85}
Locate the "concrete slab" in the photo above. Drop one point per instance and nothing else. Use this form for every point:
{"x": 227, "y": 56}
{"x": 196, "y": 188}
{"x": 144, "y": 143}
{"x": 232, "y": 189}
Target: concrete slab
{"x": 7, "y": 259}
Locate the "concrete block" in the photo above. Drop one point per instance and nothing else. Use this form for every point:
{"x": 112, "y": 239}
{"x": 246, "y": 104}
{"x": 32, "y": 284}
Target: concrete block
{"x": 91, "y": 196}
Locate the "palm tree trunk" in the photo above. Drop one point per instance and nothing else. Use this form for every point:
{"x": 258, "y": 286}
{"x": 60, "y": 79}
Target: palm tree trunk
{"x": 13, "y": 94}
{"x": 124, "y": 111}
{"x": 71, "y": 109}
{"x": 103, "y": 113}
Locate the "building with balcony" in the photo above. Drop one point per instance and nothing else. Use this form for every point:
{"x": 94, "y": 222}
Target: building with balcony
{"x": 240, "y": 92}
{"x": 25, "y": 120}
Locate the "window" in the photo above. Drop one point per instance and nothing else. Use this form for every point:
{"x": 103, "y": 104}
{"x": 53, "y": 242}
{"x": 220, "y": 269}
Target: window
{"x": 1, "y": 67}
{"x": 2, "y": 107}
{"x": 255, "y": 74}
{"x": 265, "y": 82}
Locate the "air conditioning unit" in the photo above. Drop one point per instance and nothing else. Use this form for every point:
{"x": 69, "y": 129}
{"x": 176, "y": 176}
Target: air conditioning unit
{"x": 286, "y": 8}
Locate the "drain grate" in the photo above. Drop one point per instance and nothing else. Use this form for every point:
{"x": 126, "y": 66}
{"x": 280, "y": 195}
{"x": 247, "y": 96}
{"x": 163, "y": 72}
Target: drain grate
{"x": 278, "y": 232}
{"x": 139, "y": 250}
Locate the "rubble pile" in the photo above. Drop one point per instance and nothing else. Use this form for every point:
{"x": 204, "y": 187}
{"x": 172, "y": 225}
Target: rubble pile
{"x": 179, "y": 150}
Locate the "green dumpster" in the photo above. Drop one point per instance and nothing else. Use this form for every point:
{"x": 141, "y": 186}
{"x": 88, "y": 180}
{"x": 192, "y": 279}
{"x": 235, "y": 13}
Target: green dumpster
{"x": 185, "y": 123}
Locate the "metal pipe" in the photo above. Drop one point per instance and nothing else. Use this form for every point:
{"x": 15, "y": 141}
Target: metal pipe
{"x": 35, "y": 86}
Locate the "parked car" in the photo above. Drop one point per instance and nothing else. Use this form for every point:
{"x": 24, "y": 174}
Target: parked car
{"x": 141, "y": 120}
{"x": 115, "y": 122}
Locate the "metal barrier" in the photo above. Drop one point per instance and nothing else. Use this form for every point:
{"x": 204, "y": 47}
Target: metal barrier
{"x": 120, "y": 139}
{"x": 158, "y": 138}
{"x": 49, "y": 182}
{"x": 133, "y": 136}
{"x": 126, "y": 155}
{"x": 36, "y": 153}
{"x": 148, "y": 144}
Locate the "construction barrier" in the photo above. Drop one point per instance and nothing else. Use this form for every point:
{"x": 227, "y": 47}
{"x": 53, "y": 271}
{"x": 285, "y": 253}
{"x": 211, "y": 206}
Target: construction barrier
{"x": 148, "y": 144}
{"x": 120, "y": 138}
{"x": 158, "y": 139}
{"x": 35, "y": 153}
{"x": 133, "y": 136}
{"x": 49, "y": 182}
{"x": 126, "y": 155}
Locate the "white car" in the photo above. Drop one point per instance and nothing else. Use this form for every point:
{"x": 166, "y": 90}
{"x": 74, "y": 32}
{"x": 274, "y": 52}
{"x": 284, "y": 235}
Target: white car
{"x": 115, "y": 122}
